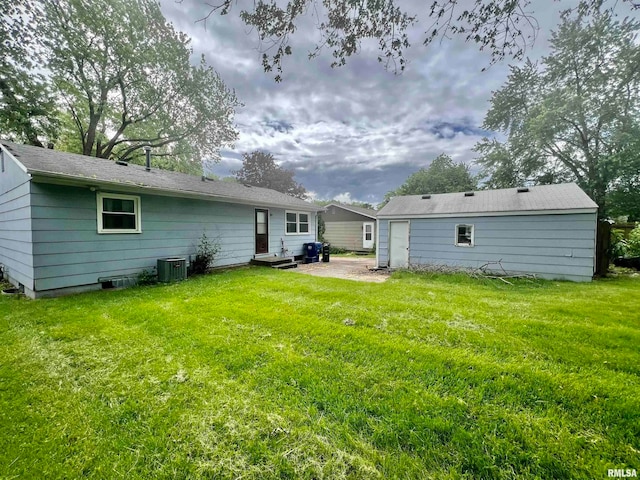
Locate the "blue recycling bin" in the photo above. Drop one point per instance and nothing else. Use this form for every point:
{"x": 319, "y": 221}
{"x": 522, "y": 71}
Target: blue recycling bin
{"x": 312, "y": 252}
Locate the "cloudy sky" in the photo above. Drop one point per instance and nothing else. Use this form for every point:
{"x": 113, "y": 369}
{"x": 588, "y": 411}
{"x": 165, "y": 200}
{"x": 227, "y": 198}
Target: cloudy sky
{"x": 358, "y": 131}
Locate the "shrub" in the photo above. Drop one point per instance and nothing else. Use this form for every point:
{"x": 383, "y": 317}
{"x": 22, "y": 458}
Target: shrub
{"x": 322, "y": 228}
{"x": 205, "y": 255}
{"x": 618, "y": 247}
{"x": 633, "y": 242}
{"x": 147, "y": 277}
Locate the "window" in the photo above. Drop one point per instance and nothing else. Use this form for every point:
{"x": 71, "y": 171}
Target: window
{"x": 118, "y": 213}
{"x": 464, "y": 235}
{"x": 368, "y": 231}
{"x": 297, "y": 223}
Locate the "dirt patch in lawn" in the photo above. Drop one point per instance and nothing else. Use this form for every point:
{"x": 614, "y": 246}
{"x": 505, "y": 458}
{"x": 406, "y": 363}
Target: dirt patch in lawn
{"x": 348, "y": 268}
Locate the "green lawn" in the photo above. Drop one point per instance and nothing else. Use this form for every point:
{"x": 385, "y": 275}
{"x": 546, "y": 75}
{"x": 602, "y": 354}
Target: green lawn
{"x": 255, "y": 373}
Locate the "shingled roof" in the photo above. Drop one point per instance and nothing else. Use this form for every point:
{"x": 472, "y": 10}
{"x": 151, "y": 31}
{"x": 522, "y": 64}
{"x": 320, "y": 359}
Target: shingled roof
{"x": 541, "y": 198}
{"x": 83, "y": 170}
{"x": 352, "y": 208}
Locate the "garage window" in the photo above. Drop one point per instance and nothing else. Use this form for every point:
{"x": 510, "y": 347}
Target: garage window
{"x": 464, "y": 235}
{"x": 118, "y": 213}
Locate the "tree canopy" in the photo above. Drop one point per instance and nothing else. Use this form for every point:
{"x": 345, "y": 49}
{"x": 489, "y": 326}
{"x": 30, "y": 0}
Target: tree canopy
{"x": 572, "y": 117}
{"x": 120, "y": 77}
{"x": 28, "y": 112}
{"x": 442, "y": 175}
{"x": 260, "y": 170}
{"x": 503, "y": 28}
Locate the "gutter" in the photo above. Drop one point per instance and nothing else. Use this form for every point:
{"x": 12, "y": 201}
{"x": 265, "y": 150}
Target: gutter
{"x": 489, "y": 214}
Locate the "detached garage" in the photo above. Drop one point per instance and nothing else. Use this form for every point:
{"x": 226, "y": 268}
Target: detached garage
{"x": 546, "y": 230}
{"x": 350, "y": 227}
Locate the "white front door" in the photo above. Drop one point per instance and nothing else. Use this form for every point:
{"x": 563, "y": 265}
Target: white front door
{"x": 398, "y": 244}
{"x": 367, "y": 235}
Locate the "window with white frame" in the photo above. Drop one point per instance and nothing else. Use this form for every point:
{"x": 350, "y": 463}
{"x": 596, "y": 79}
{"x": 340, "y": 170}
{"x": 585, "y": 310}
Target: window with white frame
{"x": 297, "y": 223}
{"x": 118, "y": 213}
{"x": 464, "y": 235}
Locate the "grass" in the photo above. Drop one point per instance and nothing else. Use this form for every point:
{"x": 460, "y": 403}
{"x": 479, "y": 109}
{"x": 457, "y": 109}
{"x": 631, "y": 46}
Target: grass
{"x": 259, "y": 374}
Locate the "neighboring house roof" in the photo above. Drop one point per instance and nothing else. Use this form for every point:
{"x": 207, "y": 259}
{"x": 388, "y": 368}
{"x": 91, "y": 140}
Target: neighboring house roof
{"x": 367, "y": 212}
{"x": 56, "y": 167}
{"x": 539, "y": 199}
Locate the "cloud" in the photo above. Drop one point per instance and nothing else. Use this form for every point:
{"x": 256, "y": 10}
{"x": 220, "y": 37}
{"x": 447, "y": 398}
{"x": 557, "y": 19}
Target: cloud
{"x": 358, "y": 131}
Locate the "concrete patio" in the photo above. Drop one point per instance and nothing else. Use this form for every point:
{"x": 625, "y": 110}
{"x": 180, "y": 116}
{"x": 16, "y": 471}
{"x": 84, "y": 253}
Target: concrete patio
{"x": 350, "y": 268}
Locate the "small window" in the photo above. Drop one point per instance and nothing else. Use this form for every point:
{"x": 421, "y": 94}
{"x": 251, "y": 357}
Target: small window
{"x": 368, "y": 232}
{"x": 261, "y": 222}
{"x": 297, "y": 223}
{"x": 303, "y": 222}
{"x": 118, "y": 213}
{"x": 464, "y": 235}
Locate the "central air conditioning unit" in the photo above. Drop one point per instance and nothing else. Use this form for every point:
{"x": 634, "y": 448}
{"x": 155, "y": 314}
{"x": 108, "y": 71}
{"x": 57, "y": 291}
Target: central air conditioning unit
{"x": 172, "y": 269}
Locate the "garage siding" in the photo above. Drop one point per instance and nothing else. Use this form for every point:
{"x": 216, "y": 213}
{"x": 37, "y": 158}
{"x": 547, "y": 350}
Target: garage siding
{"x": 347, "y": 235}
{"x": 560, "y": 246}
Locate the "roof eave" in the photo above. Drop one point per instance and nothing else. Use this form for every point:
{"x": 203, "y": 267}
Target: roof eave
{"x": 490, "y": 214}
{"x": 350, "y": 210}
{"x": 87, "y": 182}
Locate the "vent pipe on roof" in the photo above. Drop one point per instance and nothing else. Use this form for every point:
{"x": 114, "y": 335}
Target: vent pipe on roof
{"x": 523, "y": 189}
{"x": 147, "y": 151}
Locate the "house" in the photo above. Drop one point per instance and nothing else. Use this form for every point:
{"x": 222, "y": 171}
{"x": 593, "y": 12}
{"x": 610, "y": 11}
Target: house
{"x": 349, "y": 227}
{"x": 547, "y": 230}
{"x": 71, "y": 223}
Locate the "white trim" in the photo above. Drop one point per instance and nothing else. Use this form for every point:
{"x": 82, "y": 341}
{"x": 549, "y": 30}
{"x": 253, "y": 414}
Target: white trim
{"x": 349, "y": 210}
{"x": 378, "y": 243}
{"x": 7, "y": 152}
{"x": 490, "y": 214}
{"x": 473, "y": 235}
{"x": 72, "y": 180}
{"x": 136, "y": 212}
{"x": 297, "y": 214}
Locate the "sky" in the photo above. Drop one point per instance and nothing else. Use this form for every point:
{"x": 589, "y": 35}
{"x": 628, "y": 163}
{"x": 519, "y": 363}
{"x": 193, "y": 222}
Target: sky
{"x": 355, "y": 132}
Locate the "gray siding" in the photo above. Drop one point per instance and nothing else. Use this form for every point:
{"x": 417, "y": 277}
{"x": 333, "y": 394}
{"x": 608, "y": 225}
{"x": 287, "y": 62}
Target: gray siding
{"x": 550, "y": 246}
{"x": 347, "y": 235}
{"x": 68, "y": 251}
{"x": 15, "y": 224}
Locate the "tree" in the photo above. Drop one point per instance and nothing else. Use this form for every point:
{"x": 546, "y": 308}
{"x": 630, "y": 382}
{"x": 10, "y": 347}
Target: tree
{"x": 623, "y": 197}
{"x": 362, "y": 205}
{"x": 442, "y": 176}
{"x": 28, "y": 112}
{"x": 574, "y": 116}
{"x": 503, "y": 28}
{"x": 123, "y": 77}
{"x": 260, "y": 170}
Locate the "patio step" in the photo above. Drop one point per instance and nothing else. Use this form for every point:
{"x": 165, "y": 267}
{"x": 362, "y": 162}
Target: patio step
{"x": 275, "y": 262}
{"x": 285, "y": 266}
